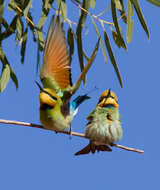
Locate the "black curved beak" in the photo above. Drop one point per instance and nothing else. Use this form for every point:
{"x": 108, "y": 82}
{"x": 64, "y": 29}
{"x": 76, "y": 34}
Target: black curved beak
{"x": 39, "y": 86}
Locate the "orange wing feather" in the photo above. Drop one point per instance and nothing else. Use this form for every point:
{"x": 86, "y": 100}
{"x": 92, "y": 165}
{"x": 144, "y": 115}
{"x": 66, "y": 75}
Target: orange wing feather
{"x": 56, "y": 58}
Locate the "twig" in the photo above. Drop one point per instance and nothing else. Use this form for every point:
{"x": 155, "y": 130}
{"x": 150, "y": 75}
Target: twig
{"x": 92, "y": 15}
{"x": 26, "y": 17}
{"x": 65, "y": 132}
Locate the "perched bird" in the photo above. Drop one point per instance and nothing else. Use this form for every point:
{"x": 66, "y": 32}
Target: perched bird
{"x": 104, "y": 126}
{"x": 56, "y": 110}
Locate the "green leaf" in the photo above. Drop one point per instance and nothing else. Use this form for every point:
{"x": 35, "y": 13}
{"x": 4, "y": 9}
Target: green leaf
{"x": 112, "y": 58}
{"x": 12, "y": 5}
{"x": 101, "y": 41}
{"x": 1, "y": 7}
{"x": 24, "y": 41}
{"x": 45, "y": 10}
{"x": 117, "y": 27}
{"x": 63, "y": 8}
{"x": 28, "y": 6}
{"x": 140, "y": 16}
{"x": 129, "y": 22}
{"x": 40, "y": 40}
{"x": 13, "y": 77}
{"x": 155, "y": 2}
{"x": 20, "y": 28}
{"x": 82, "y": 19}
{"x": 4, "y": 22}
{"x": 10, "y": 30}
{"x": 92, "y": 3}
{"x": 122, "y": 12}
{"x": 5, "y": 75}
{"x": 116, "y": 39}
{"x": 70, "y": 41}
{"x": 46, "y": 4}
{"x": 118, "y": 4}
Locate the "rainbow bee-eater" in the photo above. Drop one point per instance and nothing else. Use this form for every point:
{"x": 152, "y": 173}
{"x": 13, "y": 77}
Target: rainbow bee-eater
{"x": 56, "y": 109}
{"x": 104, "y": 126}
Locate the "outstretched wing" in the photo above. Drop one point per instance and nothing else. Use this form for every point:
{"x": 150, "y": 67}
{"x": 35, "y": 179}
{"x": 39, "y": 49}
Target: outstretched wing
{"x": 55, "y": 71}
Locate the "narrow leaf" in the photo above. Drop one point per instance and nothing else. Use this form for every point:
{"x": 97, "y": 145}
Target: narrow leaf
{"x": 122, "y": 12}
{"x": 26, "y": 10}
{"x": 10, "y": 30}
{"x": 140, "y": 16}
{"x": 13, "y": 77}
{"x": 1, "y": 7}
{"x": 112, "y": 58}
{"x": 4, "y": 60}
{"x": 82, "y": 19}
{"x": 70, "y": 40}
{"x": 118, "y": 5}
{"x": 155, "y": 2}
{"x": 129, "y": 22}
{"x": 63, "y": 8}
{"x": 4, "y": 22}
{"x": 20, "y": 28}
{"x": 24, "y": 41}
{"x": 92, "y": 3}
{"x": 5, "y": 75}
{"x": 101, "y": 41}
{"x": 46, "y": 4}
{"x": 117, "y": 27}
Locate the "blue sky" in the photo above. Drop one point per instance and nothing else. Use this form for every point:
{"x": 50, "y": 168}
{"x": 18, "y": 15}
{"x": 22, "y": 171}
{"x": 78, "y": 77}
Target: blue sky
{"x": 37, "y": 159}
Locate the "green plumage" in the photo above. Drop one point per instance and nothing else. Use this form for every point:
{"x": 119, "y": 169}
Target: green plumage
{"x": 104, "y": 125}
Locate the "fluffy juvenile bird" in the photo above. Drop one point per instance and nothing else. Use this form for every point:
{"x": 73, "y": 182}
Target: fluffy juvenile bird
{"x": 104, "y": 126}
{"x": 56, "y": 110}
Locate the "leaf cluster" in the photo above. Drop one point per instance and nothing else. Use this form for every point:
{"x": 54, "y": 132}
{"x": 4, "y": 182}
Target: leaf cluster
{"x": 23, "y": 22}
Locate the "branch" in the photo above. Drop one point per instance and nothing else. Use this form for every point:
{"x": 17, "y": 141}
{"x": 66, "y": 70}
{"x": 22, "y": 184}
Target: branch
{"x": 92, "y": 15}
{"x": 65, "y": 132}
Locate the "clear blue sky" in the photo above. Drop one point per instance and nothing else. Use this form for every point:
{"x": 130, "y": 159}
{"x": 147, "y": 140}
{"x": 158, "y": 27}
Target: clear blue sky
{"x": 37, "y": 159}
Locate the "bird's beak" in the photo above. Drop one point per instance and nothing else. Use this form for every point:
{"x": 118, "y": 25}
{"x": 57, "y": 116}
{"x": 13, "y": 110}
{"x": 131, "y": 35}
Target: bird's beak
{"x": 111, "y": 101}
{"x": 39, "y": 86}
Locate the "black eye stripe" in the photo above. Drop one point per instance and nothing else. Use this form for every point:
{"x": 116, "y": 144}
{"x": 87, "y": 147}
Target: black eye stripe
{"x": 53, "y": 97}
{"x": 105, "y": 97}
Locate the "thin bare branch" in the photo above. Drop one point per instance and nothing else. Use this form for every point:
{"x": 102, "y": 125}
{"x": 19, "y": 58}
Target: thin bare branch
{"x": 65, "y": 132}
{"x": 92, "y": 15}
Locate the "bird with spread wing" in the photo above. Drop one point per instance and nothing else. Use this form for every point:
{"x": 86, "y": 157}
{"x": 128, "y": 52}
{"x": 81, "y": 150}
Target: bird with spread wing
{"x": 56, "y": 109}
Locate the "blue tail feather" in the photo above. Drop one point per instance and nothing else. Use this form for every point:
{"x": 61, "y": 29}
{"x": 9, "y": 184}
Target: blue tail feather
{"x": 78, "y": 100}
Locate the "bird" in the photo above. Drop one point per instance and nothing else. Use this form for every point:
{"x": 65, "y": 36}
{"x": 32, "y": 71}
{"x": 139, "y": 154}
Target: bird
{"x": 104, "y": 124}
{"x": 56, "y": 109}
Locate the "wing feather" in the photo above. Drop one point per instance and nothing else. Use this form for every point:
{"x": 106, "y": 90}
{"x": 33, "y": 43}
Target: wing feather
{"x": 56, "y": 64}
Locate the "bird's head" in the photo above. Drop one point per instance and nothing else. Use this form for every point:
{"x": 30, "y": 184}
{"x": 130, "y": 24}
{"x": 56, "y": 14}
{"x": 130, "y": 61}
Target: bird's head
{"x": 108, "y": 98}
{"x": 48, "y": 97}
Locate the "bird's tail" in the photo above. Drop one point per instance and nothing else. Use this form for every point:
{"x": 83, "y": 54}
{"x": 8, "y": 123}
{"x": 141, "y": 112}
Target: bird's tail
{"x": 92, "y": 147}
{"x": 79, "y": 99}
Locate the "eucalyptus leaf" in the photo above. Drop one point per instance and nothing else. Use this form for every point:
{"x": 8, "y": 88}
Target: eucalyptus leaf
{"x": 129, "y": 22}
{"x": 112, "y": 57}
{"x": 70, "y": 40}
{"x": 140, "y": 16}
{"x": 28, "y": 6}
{"x": 2, "y": 2}
{"x": 155, "y": 2}
{"x": 92, "y": 3}
{"x": 81, "y": 22}
{"x": 5, "y": 75}
{"x": 23, "y": 47}
{"x": 101, "y": 41}
{"x": 117, "y": 27}
{"x": 63, "y": 8}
